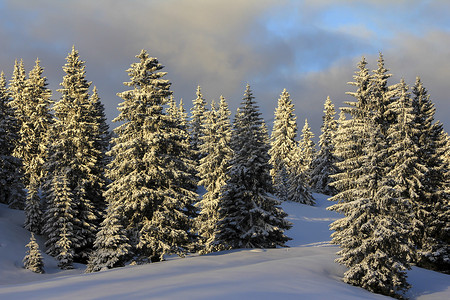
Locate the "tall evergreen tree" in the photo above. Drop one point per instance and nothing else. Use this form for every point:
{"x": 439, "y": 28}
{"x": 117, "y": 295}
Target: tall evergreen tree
{"x": 374, "y": 232}
{"x": 11, "y": 186}
{"x": 282, "y": 144}
{"x": 101, "y": 137}
{"x": 33, "y": 260}
{"x": 148, "y": 171}
{"x": 250, "y": 217}
{"x": 197, "y": 115}
{"x": 19, "y": 104}
{"x": 323, "y": 164}
{"x": 34, "y": 138}
{"x": 373, "y": 240}
{"x": 216, "y": 136}
{"x": 73, "y": 153}
{"x": 308, "y": 150}
{"x": 432, "y": 205}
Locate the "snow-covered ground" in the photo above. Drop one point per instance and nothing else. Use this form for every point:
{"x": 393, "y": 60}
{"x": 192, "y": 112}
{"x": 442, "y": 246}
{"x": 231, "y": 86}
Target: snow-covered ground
{"x": 304, "y": 271}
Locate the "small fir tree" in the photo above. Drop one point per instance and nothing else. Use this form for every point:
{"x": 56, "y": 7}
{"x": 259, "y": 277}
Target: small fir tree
{"x": 216, "y": 136}
{"x": 282, "y": 144}
{"x": 323, "y": 164}
{"x": 33, "y": 260}
{"x": 308, "y": 151}
{"x": 195, "y": 125}
{"x": 111, "y": 245}
{"x": 249, "y": 216}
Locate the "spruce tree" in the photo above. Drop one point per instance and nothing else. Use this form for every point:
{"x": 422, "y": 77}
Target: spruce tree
{"x": 216, "y": 136}
{"x": 298, "y": 187}
{"x": 323, "y": 164}
{"x": 101, "y": 137}
{"x": 111, "y": 246}
{"x": 308, "y": 151}
{"x": 72, "y": 152}
{"x": 374, "y": 232}
{"x": 61, "y": 221}
{"x": 19, "y": 104}
{"x": 249, "y": 216}
{"x": 299, "y": 172}
{"x": 34, "y": 138}
{"x": 432, "y": 205}
{"x": 149, "y": 171}
{"x": 195, "y": 125}
{"x": 33, "y": 260}
{"x": 11, "y": 186}
{"x": 373, "y": 239}
{"x": 282, "y": 144}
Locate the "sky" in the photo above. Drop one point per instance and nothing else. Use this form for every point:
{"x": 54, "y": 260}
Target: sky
{"x": 308, "y": 47}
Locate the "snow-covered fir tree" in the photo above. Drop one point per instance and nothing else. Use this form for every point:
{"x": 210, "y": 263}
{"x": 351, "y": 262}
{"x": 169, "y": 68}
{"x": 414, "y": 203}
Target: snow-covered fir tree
{"x": 298, "y": 188}
{"x": 111, "y": 246}
{"x": 348, "y": 140}
{"x": 101, "y": 137}
{"x": 373, "y": 234}
{"x": 299, "y": 169}
{"x": 249, "y": 216}
{"x": 33, "y": 260}
{"x": 216, "y": 136}
{"x": 19, "y": 104}
{"x": 61, "y": 220}
{"x": 323, "y": 164}
{"x": 34, "y": 138}
{"x": 11, "y": 186}
{"x": 65, "y": 248}
{"x": 149, "y": 171}
{"x": 72, "y": 152}
{"x": 195, "y": 125}
{"x": 432, "y": 205}
{"x": 308, "y": 149}
{"x": 282, "y": 143}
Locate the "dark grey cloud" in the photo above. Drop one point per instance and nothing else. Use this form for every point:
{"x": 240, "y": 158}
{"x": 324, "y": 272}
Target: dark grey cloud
{"x": 222, "y": 45}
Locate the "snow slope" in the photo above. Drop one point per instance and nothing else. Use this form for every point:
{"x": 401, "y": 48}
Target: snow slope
{"x": 304, "y": 271}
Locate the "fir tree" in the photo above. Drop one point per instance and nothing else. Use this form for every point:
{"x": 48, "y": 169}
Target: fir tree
{"x": 11, "y": 186}
{"x": 432, "y": 205}
{"x": 112, "y": 247}
{"x": 216, "y": 136}
{"x": 72, "y": 152}
{"x": 298, "y": 188}
{"x": 249, "y": 216}
{"x": 373, "y": 240}
{"x": 308, "y": 151}
{"x": 33, "y": 260}
{"x": 101, "y": 137}
{"x": 374, "y": 233}
{"x": 149, "y": 172}
{"x": 34, "y": 138}
{"x": 61, "y": 221}
{"x": 323, "y": 164}
{"x": 282, "y": 144}
{"x": 19, "y": 104}
{"x": 299, "y": 172}
{"x": 197, "y": 115}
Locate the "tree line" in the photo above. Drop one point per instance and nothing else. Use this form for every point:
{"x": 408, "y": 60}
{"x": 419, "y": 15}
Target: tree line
{"x": 164, "y": 183}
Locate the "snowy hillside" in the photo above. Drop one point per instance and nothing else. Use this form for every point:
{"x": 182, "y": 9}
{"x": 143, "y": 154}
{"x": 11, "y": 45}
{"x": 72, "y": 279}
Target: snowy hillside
{"x": 304, "y": 271}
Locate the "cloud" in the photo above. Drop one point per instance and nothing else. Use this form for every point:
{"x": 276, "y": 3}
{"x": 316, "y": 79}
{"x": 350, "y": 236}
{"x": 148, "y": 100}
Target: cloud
{"x": 308, "y": 47}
